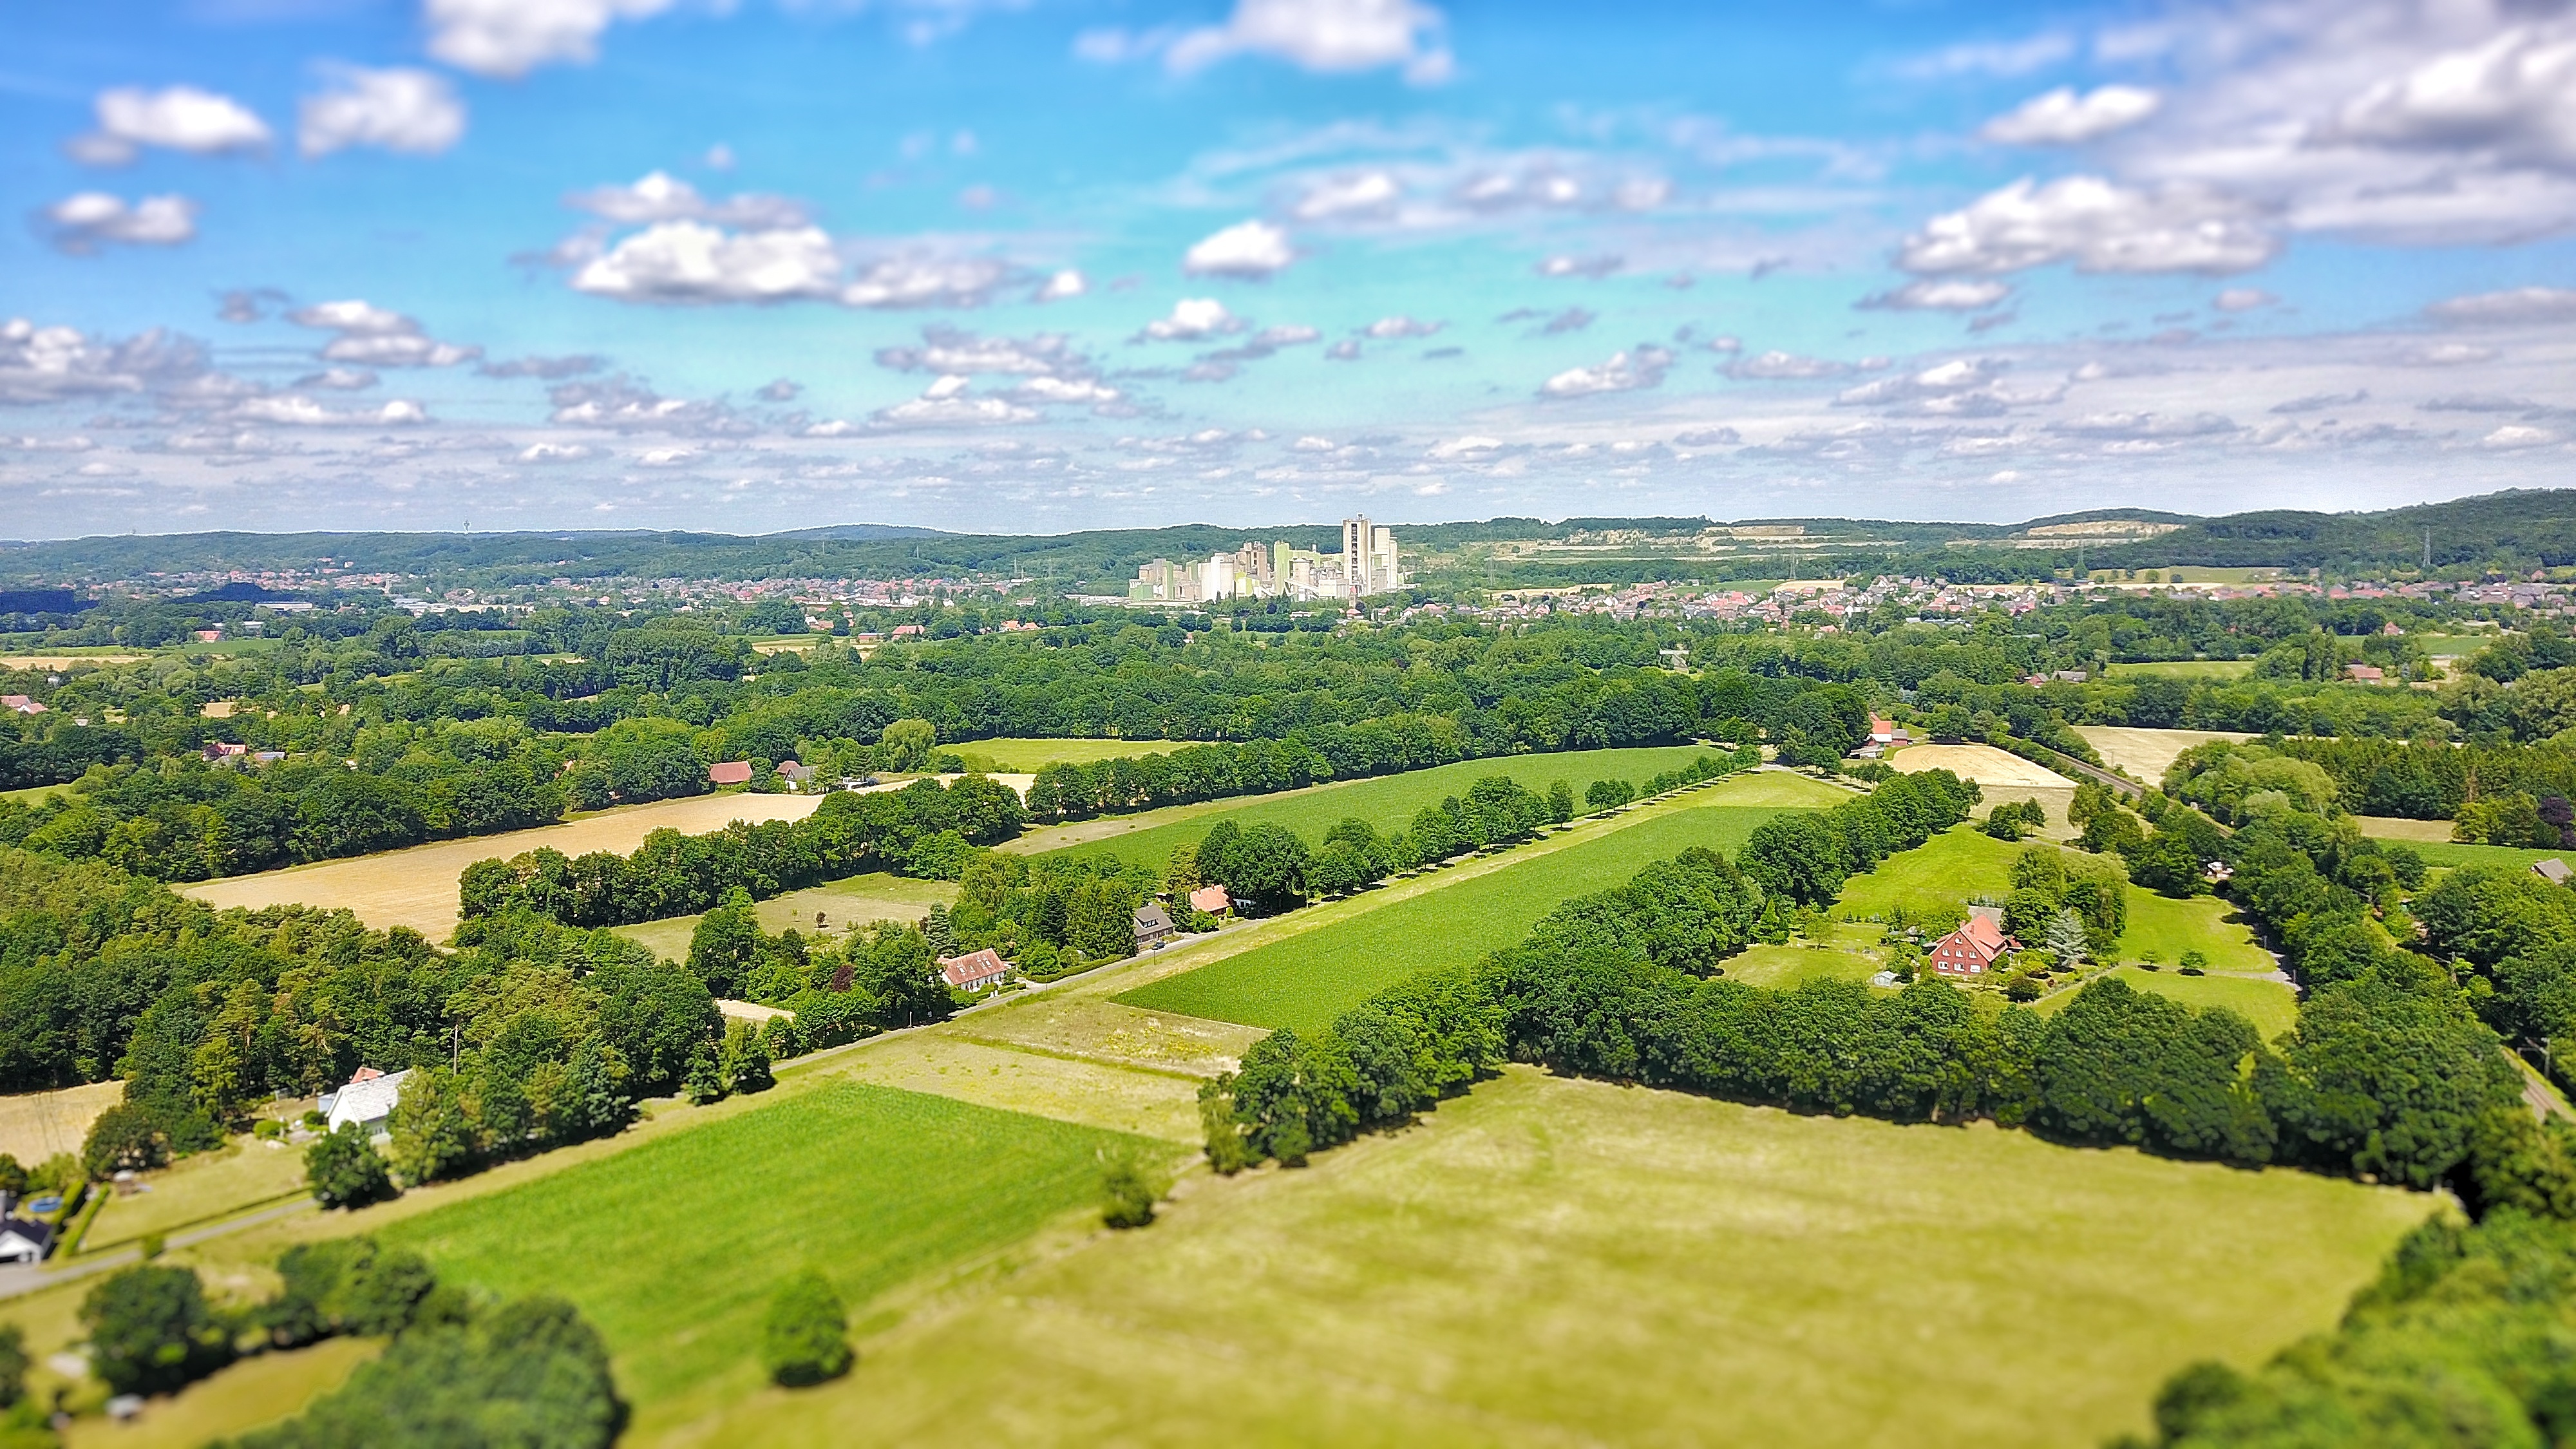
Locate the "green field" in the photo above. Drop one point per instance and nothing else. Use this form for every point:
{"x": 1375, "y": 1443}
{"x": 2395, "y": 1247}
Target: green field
{"x": 1016, "y": 757}
{"x": 1954, "y": 867}
{"x": 1385, "y": 801}
{"x": 1551, "y": 1262}
{"x": 2270, "y": 1005}
{"x": 2455, "y": 853}
{"x": 1309, "y": 979}
{"x": 674, "y": 1247}
{"x": 857, "y": 901}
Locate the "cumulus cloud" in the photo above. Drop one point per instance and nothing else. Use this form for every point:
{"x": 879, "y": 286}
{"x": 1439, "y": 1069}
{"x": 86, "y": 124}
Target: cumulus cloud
{"x": 2146, "y": 426}
{"x": 1062, "y": 286}
{"x": 295, "y": 410}
{"x": 660, "y": 196}
{"x": 91, "y": 220}
{"x": 2516, "y": 435}
{"x": 1643, "y": 367}
{"x": 926, "y": 281}
{"x": 2063, "y": 118}
{"x": 1323, "y": 35}
{"x": 779, "y": 390}
{"x": 1942, "y": 294}
{"x": 2522, "y": 306}
{"x": 949, "y": 350}
{"x": 509, "y": 38}
{"x": 2514, "y": 96}
{"x": 1707, "y": 438}
{"x": 56, "y": 364}
{"x": 2317, "y": 402}
{"x": 947, "y": 403}
{"x": 1400, "y": 326}
{"x": 556, "y": 452}
{"x": 1193, "y": 318}
{"x": 690, "y": 261}
{"x": 412, "y": 111}
{"x": 1783, "y": 367}
{"x": 1567, "y": 266}
{"x": 2243, "y": 299}
{"x": 548, "y": 368}
{"x": 2097, "y": 224}
{"x": 626, "y": 405}
{"x": 1990, "y": 57}
{"x": 1253, "y": 249}
{"x": 339, "y": 379}
{"x": 371, "y": 336}
{"x": 177, "y": 118}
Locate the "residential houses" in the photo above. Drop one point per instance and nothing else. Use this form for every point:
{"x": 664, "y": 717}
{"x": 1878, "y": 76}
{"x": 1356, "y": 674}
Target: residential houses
{"x": 1975, "y": 947}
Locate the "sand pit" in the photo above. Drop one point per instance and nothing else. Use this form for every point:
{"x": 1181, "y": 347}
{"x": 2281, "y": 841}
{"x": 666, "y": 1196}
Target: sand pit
{"x": 1984, "y": 764}
{"x": 417, "y": 887}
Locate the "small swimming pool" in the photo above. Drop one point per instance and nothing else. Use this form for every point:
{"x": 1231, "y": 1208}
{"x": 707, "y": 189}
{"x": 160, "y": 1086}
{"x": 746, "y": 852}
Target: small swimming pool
{"x": 50, "y": 1202}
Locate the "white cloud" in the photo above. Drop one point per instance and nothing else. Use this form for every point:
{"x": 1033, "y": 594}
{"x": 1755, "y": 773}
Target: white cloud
{"x": 299, "y": 411}
{"x": 1401, "y": 326}
{"x": 52, "y": 364}
{"x": 2515, "y": 96}
{"x": 2146, "y": 426}
{"x": 952, "y": 350}
{"x": 178, "y": 118}
{"x": 1995, "y": 58}
{"x": 353, "y": 315}
{"x": 339, "y": 379}
{"x": 91, "y": 219}
{"x": 1324, "y": 35}
{"x": 2097, "y": 224}
{"x": 556, "y": 452}
{"x": 411, "y": 111}
{"x": 508, "y": 38}
{"x": 1467, "y": 447}
{"x": 688, "y": 261}
{"x": 1193, "y": 318}
{"x": 926, "y": 281}
{"x": 1783, "y": 367}
{"x": 946, "y": 403}
{"x": 1565, "y": 266}
{"x": 1063, "y": 286}
{"x": 2063, "y": 118}
{"x": 371, "y": 336}
{"x": 1064, "y": 390}
{"x": 2522, "y": 306}
{"x": 2243, "y": 299}
{"x": 1624, "y": 372}
{"x": 659, "y": 196}
{"x": 2515, "y": 435}
{"x": 1367, "y": 194}
{"x": 1941, "y": 294}
{"x": 1246, "y": 249}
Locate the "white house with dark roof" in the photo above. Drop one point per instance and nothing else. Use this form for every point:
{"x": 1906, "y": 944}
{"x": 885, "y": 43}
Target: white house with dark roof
{"x": 24, "y": 1241}
{"x": 368, "y": 1100}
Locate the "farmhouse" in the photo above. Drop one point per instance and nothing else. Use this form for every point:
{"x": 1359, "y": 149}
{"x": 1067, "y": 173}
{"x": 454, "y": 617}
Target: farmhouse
{"x": 368, "y": 1100}
{"x": 1153, "y": 926}
{"x": 1209, "y": 900}
{"x": 23, "y": 1241}
{"x": 1973, "y": 948}
{"x": 974, "y": 971}
{"x": 730, "y": 772}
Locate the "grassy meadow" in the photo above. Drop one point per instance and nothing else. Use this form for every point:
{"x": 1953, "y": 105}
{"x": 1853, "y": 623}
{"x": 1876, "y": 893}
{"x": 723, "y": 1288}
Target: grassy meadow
{"x": 1024, "y": 756}
{"x": 1308, "y": 979}
{"x": 1385, "y": 801}
{"x": 674, "y": 1248}
{"x": 2191, "y": 669}
{"x": 2271, "y": 1005}
{"x": 1551, "y": 1261}
{"x": 854, "y": 902}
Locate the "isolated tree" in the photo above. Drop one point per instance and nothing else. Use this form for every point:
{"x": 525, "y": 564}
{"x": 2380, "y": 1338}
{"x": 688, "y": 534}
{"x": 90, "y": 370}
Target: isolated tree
{"x": 151, "y": 1330}
{"x": 2065, "y": 938}
{"x": 805, "y": 1337}
{"x": 344, "y": 1170}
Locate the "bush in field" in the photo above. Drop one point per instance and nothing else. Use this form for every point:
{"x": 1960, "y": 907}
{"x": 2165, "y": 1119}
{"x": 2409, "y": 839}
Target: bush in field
{"x": 344, "y": 1170}
{"x": 1128, "y": 1191}
{"x": 805, "y": 1338}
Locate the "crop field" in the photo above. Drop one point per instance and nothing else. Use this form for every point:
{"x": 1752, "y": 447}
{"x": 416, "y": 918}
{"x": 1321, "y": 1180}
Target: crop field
{"x": 2456, "y": 853}
{"x": 1026, "y": 755}
{"x": 2192, "y": 669}
{"x": 855, "y": 902}
{"x": 417, "y": 887}
{"x": 2271, "y": 1005}
{"x": 2398, "y": 827}
{"x": 1551, "y": 1261}
{"x": 2147, "y": 754}
{"x": 673, "y": 1249}
{"x": 1385, "y": 801}
{"x": 36, "y": 1125}
{"x": 1307, "y": 980}
{"x": 1982, "y": 763}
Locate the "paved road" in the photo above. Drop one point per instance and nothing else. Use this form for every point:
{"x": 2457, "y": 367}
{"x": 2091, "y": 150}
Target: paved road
{"x": 17, "y": 1281}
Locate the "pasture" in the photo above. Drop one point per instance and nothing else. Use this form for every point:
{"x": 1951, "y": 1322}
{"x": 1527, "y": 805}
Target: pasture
{"x": 2397, "y": 827}
{"x": 2271, "y": 1005}
{"x": 845, "y": 904}
{"x": 1551, "y": 1261}
{"x": 2448, "y": 853}
{"x": 1307, "y": 979}
{"x": 2187, "y": 669}
{"x": 1385, "y": 801}
{"x": 673, "y": 1248}
{"x": 194, "y": 1190}
{"x": 1024, "y": 756}
{"x": 2147, "y": 754}
{"x": 416, "y": 887}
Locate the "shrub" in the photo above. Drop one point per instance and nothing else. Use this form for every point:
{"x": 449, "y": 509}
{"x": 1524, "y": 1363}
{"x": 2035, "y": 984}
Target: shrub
{"x": 1128, "y": 1191}
{"x": 344, "y": 1170}
{"x": 805, "y": 1338}
{"x": 151, "y": 1331}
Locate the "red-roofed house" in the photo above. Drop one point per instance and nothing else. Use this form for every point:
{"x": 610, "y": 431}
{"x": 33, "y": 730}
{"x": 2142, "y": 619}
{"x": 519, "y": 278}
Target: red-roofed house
{"x": 975, "y": 970}
{"x": 731, "y": 772}
{"x": 1973, "y": 948}
{"x": 1209, "y": 900}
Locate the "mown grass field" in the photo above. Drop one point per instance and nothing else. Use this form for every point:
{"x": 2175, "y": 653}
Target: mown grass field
{"x": 854, "y": 902}
{"x": 674, "y": 1248}
{"x": 2270, "y": 1005}
{"x": 1551, "y": 1262}
{"x": 1385, "y": 801}
{"x": 2190, "y": 668}
{"x": 1309, "y": 979}
{"x": 1954, "y": 867}
{"x": 241, "y": 1174}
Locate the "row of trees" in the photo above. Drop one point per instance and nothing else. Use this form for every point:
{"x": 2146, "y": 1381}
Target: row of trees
{"x": 924, "y": 829}
{"x": 1804, "y": 856}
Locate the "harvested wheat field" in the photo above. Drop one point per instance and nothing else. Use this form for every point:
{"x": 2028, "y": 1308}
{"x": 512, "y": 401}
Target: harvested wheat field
{"x": 2147, "y": 754}
{"x": 1982, "y": 763}
{"x": 417, "y": 887}
{"x": 36, "y": 1125}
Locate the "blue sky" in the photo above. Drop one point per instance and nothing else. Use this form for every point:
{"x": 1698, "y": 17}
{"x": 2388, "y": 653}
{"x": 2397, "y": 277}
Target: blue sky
{"x": 1039, "y": 265}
